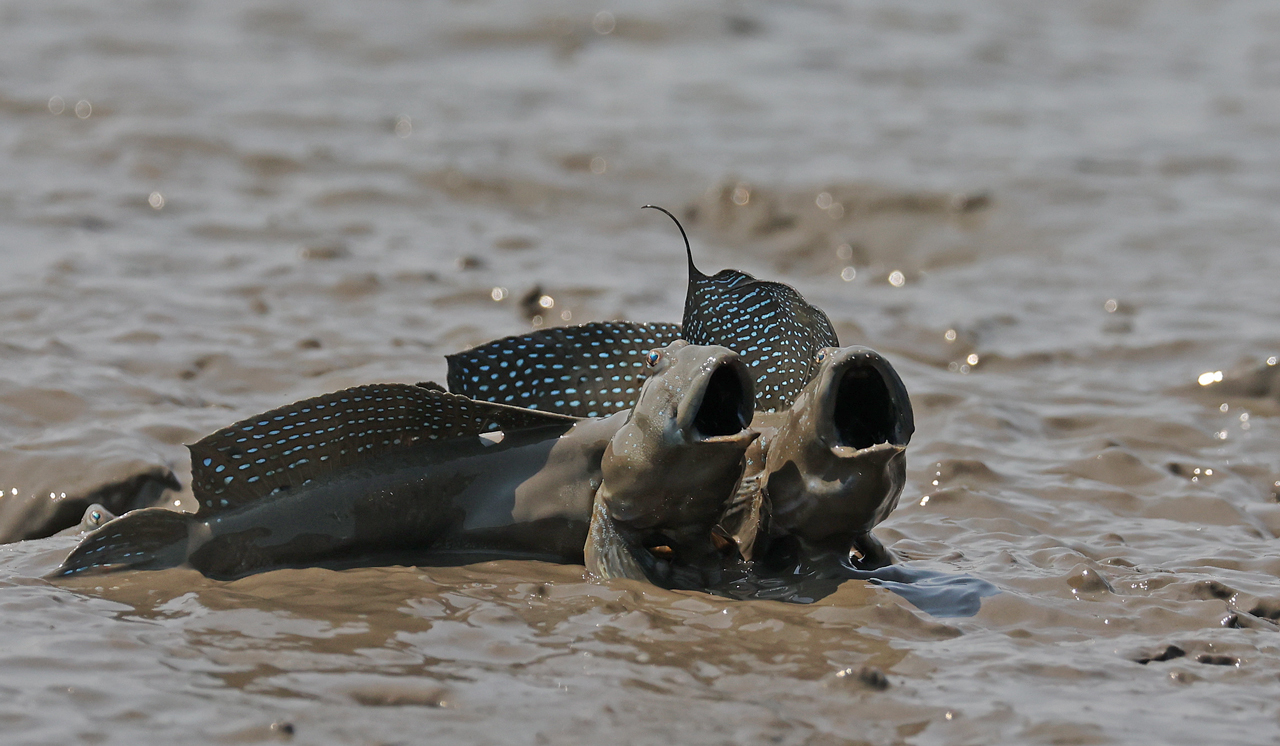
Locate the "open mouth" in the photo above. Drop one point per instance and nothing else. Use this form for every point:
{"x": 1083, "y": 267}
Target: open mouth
{"x": 726, "y": 405}
{"x": 871, "y": 404}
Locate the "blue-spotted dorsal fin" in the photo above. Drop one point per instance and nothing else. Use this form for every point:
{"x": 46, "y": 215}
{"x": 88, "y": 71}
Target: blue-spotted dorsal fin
{"x": 777, "y": 333}
{"x": 591, "y": 370}
{"x": 315, "y": 438}
{"x": 768, "y": 324}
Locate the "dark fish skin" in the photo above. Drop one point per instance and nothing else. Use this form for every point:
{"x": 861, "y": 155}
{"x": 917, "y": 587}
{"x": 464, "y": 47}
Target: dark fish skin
{"x": 590, "y": 370}
{"x": 373, "y": 470}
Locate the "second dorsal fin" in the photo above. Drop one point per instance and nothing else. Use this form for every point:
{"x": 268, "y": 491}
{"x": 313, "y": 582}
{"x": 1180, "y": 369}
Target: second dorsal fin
{"x": 313, "y": 438}
{"x": 590, "y": 370}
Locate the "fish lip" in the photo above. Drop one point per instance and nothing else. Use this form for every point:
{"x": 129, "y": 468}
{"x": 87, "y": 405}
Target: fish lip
{"x": 862, "y": 404}
{"x": 726, "y": 378}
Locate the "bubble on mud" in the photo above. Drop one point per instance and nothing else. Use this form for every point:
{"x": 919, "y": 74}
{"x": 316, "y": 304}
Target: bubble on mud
{"x": 404, "y": 126}
{"x": 84, "y": 109}
{"x": 57, "y": 105}
{"x": 604, "y": 23}
{"x": 156, "y": 200}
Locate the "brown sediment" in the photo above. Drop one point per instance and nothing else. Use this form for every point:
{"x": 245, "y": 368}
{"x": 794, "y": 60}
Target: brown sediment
{"x": 1080, "y": 213}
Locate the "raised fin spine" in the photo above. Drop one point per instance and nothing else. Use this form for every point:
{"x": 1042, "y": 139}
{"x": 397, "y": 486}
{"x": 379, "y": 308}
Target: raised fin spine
{"x": 146, "y": 539}
{"x": 694, "y": 272}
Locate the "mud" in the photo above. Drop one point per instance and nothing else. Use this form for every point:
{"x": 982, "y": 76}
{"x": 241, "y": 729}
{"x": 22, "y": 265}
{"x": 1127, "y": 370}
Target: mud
{"x": 1057, "y": 222}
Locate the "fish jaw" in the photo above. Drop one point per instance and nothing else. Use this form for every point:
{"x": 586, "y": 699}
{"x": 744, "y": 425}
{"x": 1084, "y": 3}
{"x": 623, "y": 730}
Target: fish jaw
{"x": 832, "y": 500}
{"x": 837, "y": 465}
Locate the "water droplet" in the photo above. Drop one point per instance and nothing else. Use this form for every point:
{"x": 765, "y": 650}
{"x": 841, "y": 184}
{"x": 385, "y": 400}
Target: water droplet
{"x": 498, "y": 293}
{"x": 599, "y": 165}
{"x": 404, "y": 125}
{"x": 156, "y": 200}
{"x": 1111, "y": 305}
{"x": 547, "y": 301}
{"x": 972, "y": 359}
{"x": 604, "y": 23}
{"x": 741, "y": 195}
{"x": 848, "y": 274}
{"x": 1213, "y": 376}
{"x": 824, "y": 200}
{"x": 84, "y": 109}
{"x": 844, "y": 252}
{"x": 949, "y": 335}
{"x": 57, "y": 105}
{"x": 897, "y": 279}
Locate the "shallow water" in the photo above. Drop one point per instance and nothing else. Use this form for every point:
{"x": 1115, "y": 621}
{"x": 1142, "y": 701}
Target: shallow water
{"x": 1054, "y": 220}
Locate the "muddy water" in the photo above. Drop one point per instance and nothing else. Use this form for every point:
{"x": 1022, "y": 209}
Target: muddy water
{"x": 1056, "y": 221}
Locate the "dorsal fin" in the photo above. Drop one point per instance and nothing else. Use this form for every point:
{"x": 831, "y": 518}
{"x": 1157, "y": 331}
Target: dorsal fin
{"x": 292, "y": 445}
{"x": 591, "y": 370}
{"x": 768, "y": 324}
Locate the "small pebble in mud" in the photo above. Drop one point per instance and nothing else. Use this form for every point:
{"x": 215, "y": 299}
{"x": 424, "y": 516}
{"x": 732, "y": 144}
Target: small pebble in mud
{"x": 869, "y": 677}
{"x": 326, "y": 251}
{"x": 469, "y": 262}
{"x": 310, "y": 343}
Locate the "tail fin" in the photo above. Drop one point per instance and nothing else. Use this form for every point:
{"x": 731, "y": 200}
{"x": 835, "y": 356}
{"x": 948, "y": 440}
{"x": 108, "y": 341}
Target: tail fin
{"x": 147, "y": 539}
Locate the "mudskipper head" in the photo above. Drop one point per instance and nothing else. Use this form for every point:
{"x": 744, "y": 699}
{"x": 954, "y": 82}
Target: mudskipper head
{"x": 838, "y": 464}
{"x": 669, "y": 470}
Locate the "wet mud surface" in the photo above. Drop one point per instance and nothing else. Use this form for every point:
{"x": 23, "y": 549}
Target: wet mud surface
{"x": 1057, "y": 223}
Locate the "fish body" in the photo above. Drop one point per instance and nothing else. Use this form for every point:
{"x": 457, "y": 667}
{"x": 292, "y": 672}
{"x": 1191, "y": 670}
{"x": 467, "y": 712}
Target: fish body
{"x": 373, "y": 470}
{"x": 413, "y": 474}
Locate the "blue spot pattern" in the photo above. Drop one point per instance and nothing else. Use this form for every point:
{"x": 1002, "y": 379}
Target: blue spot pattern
{"x": 590, "y": 370}
{"x": 770, "y": 325}
{"x": 314, "y": 438}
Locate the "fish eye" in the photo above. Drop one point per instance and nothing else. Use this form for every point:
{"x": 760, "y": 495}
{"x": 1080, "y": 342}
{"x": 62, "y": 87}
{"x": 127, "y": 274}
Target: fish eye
{"x": 652, "y": 357}
{"x": 822, "y": 355}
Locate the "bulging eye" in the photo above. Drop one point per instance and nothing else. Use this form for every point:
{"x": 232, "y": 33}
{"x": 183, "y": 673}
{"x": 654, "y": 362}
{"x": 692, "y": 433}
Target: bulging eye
{"x": 822, "y": 355}
{"x": 652, "y": 357}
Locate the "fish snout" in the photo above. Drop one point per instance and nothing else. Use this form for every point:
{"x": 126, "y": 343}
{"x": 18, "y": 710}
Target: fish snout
{"x": 861, "y": 402}
{"x": 719, "y": 401}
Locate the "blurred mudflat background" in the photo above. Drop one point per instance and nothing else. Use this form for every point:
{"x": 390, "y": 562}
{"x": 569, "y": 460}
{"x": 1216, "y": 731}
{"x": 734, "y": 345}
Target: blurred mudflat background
{"x": 1058, "y": 221}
